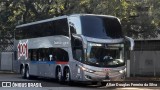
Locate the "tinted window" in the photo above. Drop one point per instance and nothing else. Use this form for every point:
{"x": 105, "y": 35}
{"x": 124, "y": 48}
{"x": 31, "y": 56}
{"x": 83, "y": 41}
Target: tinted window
{"x": 61, "y": 55}
{"x": 57, "y": 27}
{"x": 105, "y": 55}
{"x": 48, "y": 54}
{"x": 101, "y": 27}
{"x": 61, "y": 27}
{"x": 77, "y": 48}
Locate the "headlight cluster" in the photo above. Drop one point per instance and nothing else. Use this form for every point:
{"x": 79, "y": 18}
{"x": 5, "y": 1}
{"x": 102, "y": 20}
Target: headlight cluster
{"x": 86, "y": 69}
{"x": 122, "y": 71}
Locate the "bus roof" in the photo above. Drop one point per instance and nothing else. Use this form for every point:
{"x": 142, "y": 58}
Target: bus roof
{"x": 41, "y": 21}
{"x": 109, "y": 16}
{"x": 61, "y": 17}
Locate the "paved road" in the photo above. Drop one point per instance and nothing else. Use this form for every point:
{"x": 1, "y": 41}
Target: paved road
{"x": 56, "y": 86}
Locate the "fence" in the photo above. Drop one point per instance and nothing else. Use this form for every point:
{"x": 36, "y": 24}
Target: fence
{"x": 6, "y": 48}
{"x": 145, "y": 58}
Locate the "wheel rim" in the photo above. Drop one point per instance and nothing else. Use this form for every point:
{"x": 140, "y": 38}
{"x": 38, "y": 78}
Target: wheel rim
{"x": 59, "y": 75}
{"x": 67, "y": 75}
{"x": 22, "y": 72}
{"x": 27, "y": 73}
{"x": 103, "y": 83}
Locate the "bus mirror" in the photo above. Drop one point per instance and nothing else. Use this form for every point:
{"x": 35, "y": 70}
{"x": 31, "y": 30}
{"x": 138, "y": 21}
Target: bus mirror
{"x": 84, "y": 41}
{"x": 131, "y": 42}
{"x": 78, "y": 54}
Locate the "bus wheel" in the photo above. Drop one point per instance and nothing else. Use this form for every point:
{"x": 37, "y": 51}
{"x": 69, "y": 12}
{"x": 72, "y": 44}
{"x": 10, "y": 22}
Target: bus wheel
{"x": 59, "y": 75}
{"x": 23, "y": 72}
{"x": 103, "y": 83}
{"x": 27, "y": 73}
{"x": 94, "y": 83}
{"x": 67, "y": 76}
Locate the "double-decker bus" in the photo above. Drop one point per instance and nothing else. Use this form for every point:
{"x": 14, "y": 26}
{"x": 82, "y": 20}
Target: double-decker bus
{"x": 79, "y": 47}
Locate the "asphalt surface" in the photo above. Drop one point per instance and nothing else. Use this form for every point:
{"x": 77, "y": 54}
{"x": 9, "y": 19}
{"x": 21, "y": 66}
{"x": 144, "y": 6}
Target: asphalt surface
{"x": 54, "y": 85}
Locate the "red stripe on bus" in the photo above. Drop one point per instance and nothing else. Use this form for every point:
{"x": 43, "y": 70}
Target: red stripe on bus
{"x": 61, "y": 62}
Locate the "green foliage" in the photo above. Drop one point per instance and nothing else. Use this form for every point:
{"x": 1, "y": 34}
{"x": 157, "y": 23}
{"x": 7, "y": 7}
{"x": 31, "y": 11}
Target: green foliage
{"x": 140, "y": 18}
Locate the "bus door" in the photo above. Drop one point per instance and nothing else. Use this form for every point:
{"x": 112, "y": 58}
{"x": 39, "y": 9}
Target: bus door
{"x": 75, "y": 70}
{"x": 77, "y": 58}
{"x": 78, "y": 54}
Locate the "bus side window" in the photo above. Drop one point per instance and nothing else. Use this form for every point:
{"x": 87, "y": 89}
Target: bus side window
{"x": 61, "y": 27}
{"x": 62, "y": 55}
{"x": 34, "y": 55}
{"x": 66, "y": 57}
{"x": 30, "y": 54}
{"x": 52, "y": 54}
{"x": 43, "y": 54}
{"x": 39, "y": 55}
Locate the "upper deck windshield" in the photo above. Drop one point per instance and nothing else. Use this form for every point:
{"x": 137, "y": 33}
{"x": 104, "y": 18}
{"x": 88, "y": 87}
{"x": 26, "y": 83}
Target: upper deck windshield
{"x": 105, "y": 55}
{"x": 101, "y": 27}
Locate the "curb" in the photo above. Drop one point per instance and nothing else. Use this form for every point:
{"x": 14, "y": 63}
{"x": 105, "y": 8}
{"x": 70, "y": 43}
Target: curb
{"x": 6, "y": 72}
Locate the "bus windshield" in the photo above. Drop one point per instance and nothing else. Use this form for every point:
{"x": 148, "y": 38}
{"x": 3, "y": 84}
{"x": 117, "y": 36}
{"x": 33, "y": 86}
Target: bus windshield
{"x": 101, "y": 27}
{"x": 105, "y": 55}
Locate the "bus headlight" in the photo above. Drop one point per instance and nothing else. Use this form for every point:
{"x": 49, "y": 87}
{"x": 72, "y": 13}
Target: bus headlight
{"x": 122, "y": 71}
{"x": 87, "y": 70}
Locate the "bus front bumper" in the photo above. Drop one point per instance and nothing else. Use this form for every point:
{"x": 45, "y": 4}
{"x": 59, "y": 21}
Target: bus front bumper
{"x": 104, "y": 76}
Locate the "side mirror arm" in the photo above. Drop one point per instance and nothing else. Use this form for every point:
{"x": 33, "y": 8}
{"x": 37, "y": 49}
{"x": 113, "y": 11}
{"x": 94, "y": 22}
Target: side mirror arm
{"x": 131, "y": 42}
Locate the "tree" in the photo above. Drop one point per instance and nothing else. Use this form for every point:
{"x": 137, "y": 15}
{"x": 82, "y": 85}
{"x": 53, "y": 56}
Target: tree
{"x": 143, "y": 22}
{"x": 140, "y": 18}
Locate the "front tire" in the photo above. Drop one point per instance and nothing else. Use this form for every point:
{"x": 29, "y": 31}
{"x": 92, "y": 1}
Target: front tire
{"x": 94, "y": 83}
{"x": 103, "y": 83}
